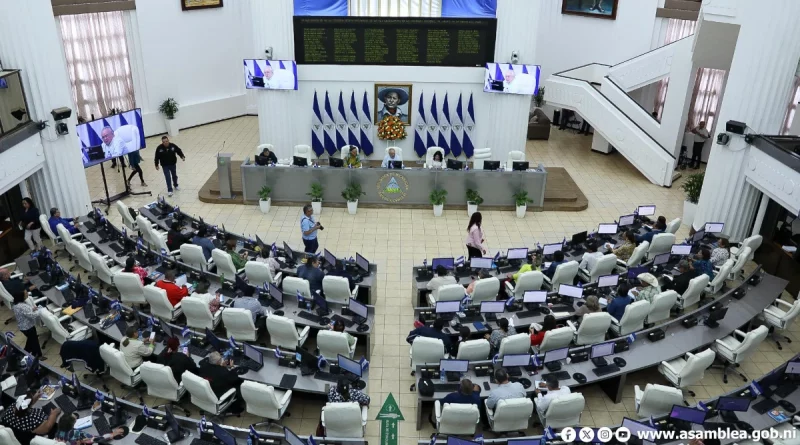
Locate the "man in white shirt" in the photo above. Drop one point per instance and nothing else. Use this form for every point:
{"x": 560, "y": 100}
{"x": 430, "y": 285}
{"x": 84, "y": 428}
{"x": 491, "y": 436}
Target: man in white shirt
{"x": 518, "y": 83}
{"x": 553, "y": 392}
{"x": 438, "y": 281}
{"x": 278, "y": 79}
{"x": 591, "y": 256}
{"x": 504, "y": 389}
{"x": 391, "y": 156}
{"x": 700, "y": 137}
{"x": 112, "y": 146}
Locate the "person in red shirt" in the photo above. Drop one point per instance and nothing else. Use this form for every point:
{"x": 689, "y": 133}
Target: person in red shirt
{"x": 538, "y": 337}
{"x": 175, "y": 293}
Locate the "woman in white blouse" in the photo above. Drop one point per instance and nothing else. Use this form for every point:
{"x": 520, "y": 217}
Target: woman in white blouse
{"x": 437, "y": 162}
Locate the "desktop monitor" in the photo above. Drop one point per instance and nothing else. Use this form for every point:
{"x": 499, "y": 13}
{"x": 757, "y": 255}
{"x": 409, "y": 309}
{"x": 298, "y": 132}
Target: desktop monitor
{"x": 555, "y": 355}
{"x": 550, "y": 249}
{"x": 491, "y": 165}
{"x": 691, "y": 415}
{"x": 288, "y": 250}
{"x": 223, "y": 436}
{"x": 717, "y": 315}
{"x": 447, "y": 263}
{"x": 321, "y": 302}
{"x": 516, "y": 360}
{"x": 714, "y": 227}
{"x": 275, "y": 293}
{"x": 792, "y": 368}
{"x": 306, "y": 359}
{"x": 397, "y": 165}
{"x": 481, "y": 263}
{"x": 638, "y": 430}
{"x": 300, "y": 161}
{"x": 447, "y": 307}
{"x": 698, "y": 236}
{"x": 262, "y": 160}
{"x": 534, "y": 296}
{"x": 608, "y": 280}
{"x": 362, "y": 262}
{"x": 647, "y": 210}
{"x": 253, "y": 354}
{"x": 567, "y": 290}
{"x": 681, "y": 249}
{"x": 213, "y": 340}
{"x": 329, "y": 257}
{"x": 350, "y": 366}
{"x": 172, "y": 423}
{"x": 634, "y": 272}
{"x": 358, "y": 308}
{"x": 453, "y": 365}
{"x": 520, "y": 166}
{"x": 519, "y": 253}
{"x": 602, "y": 350}
{"x": 292, "y": 438}
{"x": 452, "y": 440}
{"x": 453, "y": 164}
{"x": 733, "y": 403}
{"x": 662, "y": 258}
{"x": 607, "y": 229}
{"x": 626, "y": 220}
{"x": 492, "y": 307}
{"x": 168, "y": 332}
{"x": 336, "y": 162}
{"x": 579, "y": 238}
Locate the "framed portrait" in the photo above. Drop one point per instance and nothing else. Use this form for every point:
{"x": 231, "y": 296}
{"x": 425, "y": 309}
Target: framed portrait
{"x": 393, "y": 100}
{"x": 191, "y": 5}
{"x": 601, "y": 9}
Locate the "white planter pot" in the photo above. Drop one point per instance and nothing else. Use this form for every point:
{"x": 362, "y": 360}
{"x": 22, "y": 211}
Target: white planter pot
{"x": 264, "y": 205}
{"x": 471, "y": 208}
{"x": 522, "y": 210}
{"x": 437, "y": 210}
{"x": 172, "y": 127}
{"x": 317, "y": 207}
{"x": 689, "y": 210}
{"x": 352, "y": 207}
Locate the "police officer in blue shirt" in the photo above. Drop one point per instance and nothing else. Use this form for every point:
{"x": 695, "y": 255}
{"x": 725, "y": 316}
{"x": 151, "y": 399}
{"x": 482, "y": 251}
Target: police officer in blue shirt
{"x": 309, "y": 229}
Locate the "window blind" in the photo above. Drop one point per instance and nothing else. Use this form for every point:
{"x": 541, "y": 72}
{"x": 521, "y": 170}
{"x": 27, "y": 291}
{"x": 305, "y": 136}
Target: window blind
{"x": 72, "y": 7}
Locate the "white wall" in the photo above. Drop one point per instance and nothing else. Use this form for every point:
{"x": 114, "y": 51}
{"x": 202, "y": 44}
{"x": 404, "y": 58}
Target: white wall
{"x": 20, "y": 161}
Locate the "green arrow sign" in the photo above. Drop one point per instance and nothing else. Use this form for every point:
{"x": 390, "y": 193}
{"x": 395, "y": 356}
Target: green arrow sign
{"x": 389, "y": 415}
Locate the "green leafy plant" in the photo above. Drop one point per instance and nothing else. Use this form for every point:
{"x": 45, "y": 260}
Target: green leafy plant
{"x": 263, "y": 193}
{"x": 352, "y": 192}
{"x": 438, "y": 197}
{"x": 693, "y": 186}
{"x": 473, "y": 197}
{"x": 521, "y": 198}
{"x": 316, "y": 191}
{"x": 168, "y": 108}
{"x": 538, "y": 98}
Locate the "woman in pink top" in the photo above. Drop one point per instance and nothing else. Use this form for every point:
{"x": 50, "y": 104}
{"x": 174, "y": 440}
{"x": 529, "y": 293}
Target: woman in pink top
{"x": 475, "y": 238}
{"x": 131, "y": 267}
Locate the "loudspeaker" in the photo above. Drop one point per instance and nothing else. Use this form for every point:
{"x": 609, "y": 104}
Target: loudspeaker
{"x": 735, "y": 127}
{"x": 61, "y": 113}
{"x": 556, "y": 117}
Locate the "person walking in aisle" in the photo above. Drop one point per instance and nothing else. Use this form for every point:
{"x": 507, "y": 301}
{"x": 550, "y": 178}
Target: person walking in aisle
{"x": 27, "y": 315}
{"x": 700, "y": 137}
{"x": 30, "y": 223}
{"x": 475, "y": 240}
{"x": 167, "y": 155}
{"x": 134, "y": 158}
{"x": 309, "y": 229}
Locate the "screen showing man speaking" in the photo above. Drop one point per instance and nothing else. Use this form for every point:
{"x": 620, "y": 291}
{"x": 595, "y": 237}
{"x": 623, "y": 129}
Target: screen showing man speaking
{"x": 270, "y": 74}
{"x": 111, "y": 137}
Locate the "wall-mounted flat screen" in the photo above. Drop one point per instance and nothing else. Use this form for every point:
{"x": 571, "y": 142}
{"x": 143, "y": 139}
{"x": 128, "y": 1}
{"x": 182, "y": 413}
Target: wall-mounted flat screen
{"x": 111, "y": 137}
{"x": 262, "y": 74}
{"x": 511, "y": 79}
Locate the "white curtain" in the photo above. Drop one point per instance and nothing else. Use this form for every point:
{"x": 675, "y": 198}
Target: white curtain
{"x": 676, "y": 30}
{"x": 96, "y": 50}
{"x": 705, "y": 97}
{"x": 395, "y": 8}
{"x": 792, "y": 108}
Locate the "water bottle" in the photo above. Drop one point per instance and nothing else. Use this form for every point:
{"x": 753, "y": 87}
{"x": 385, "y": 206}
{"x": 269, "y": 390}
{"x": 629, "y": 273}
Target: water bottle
{"x": 442, "y": 376}
{"x": 249, "y": 440}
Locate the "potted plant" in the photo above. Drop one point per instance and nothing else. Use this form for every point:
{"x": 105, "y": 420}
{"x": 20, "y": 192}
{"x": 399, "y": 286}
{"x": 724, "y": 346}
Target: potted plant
{"x": 473, "y": 201}
{"x": 538, "y": 98}
{"x": 521, "y": 200}
{"x": 169, "y": 108}
{"x": 351, "y": 193}
{"x": 438, "y": 197}
{"x": 692, "y": 187}
{"x": 316, "y": 197}
{"x": 264, "y": 201}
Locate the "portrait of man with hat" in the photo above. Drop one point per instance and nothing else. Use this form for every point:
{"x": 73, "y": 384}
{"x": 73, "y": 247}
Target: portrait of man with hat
{"x": 394, "y": 101}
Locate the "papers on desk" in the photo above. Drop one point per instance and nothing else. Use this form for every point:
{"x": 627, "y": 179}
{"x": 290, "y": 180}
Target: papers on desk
{"x": 547, "y": 264}
{"x": 561, "y": 314}
{"x": 790, "y": 249}
{"x": 603, "y": 301}
{"x": 536, "y": 326}
{"x": 8, "y": 383}
{"x": 155, "y": 275}
{"x": 181, "y": 280}
{"x": 83, "y": 423}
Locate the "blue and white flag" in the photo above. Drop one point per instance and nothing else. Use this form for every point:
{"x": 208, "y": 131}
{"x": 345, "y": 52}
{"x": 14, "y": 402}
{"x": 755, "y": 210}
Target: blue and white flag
{"x": 535, "y": 360}
{"x": 510, "y": 301}
{"x": 497, "y": 256}
{"x": 274, "y": 249}
{"x": 420, "y": 129}
{"x": 253, "y": 431}
{"x": 124, "y": 233}
{"x": 185, "y": 331}
{"x": 63, "y": 380}
{"x": 755, "y": 388}
{"x": 311, "y": 440}
{"x": 652, "y": 421}
{"x": 151, "y": 322}
{"x": 631, "y": 337}
{"x": 433, "y": 123}
{"x": 341, "y": 123}
{"x": 9, "y": 336}
{"x": 329, "y": 127}
{"x": 495, "y": 359}
{"x": 232, "y": 343}
{"x": 98, "y": 395}
{"x": 465, "y": 301}
{"x": 364, "y": 363}
{"x": 456, "y": 129}
{"x": 115, "y": 305}
{"x": 278, "y": 352}
{"x": 321, "y": 362}
{"x": 444, "y": 127}
{"x": 460, "y": 261}
{"x": 549, "y": 433}
{"x": 299, "y": 296}
{"x": 365, "y": 117}
{"x": 201, "y": 426}
{"x": 353, "y": 126}
{"x": 139, "y": 245}
{"x": 478, "y": 438}
{"x": 702, "y": 406}
{"x": 469, "y": 125}
{"x": 433, "y": 439}
{"x": 145, "y": 411}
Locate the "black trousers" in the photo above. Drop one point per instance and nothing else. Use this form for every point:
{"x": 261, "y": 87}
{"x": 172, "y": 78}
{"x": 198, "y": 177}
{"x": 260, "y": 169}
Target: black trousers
{"x": 311, "y": 245}
{"x": 473, "y": 252}
{"x": 32, "y": 342}
{"x": 136, "y": 169}
{"x": 697, "y": 152}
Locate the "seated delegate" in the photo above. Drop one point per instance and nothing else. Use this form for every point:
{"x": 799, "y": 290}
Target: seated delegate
{"x": 352, "y": 159}
{"x": 679, "y": 283}
{"x": 24, "y": 418}
{"x": 175, "y": 293}
{"x": 558, "y": 259}
{"x": 205, "y": 243}
{"x": 312, "y": 273}
{"x": 504, "y": 389}
{"x": 266, "y": 157}
{"x": 591, "y": 256}
{"x": 391, "y": 156}
{"x": 432, "y": 332}
{"x": 554, "y": 391}
{"x": 658, "y": 227}
{"x": 616, "y": 307}
{"x": 56, "y": 219}
{"x": 441, "y": 279}
{"x": 467, "y": 393}
{"x": 222, "y": 378}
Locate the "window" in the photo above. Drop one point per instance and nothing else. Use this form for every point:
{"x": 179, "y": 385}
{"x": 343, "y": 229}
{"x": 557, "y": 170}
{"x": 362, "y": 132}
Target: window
{"x": 676, "y": 30}
{"x": 705, "y": 97}
{"x": 395, "y": 8}
{"x": 792, "y": 109}
{"x": 96, "y": 50}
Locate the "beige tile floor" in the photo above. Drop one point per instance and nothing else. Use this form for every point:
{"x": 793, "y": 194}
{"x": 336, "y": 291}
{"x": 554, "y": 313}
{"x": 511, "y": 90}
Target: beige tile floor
{"x": 398, "y": 239}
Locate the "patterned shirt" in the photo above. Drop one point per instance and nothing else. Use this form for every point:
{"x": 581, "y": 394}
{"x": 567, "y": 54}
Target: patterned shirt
{"x": 648, "y": 293}
{"x": 28, "y": 423}
{"x": 25, "y": 315}
{"x": 497, "y": 336}
{"x": 73, "y": 437}
{"x": 355, "y": 396}
{"x": 719, "y": 256}
{"x": 625, "y": 251}
{"x": 352, "y": 161}
{"x": 238, "y": 261}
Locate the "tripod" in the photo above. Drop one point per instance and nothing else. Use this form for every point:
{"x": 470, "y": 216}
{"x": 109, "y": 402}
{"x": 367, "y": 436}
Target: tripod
{"x": 109, "y": 199}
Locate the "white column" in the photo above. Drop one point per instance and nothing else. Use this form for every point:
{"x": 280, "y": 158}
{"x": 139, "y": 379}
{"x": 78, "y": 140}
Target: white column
{"x": 762, "y": 210}
{"x": 273, "y": 26}
{"x": 29, "y": 41}
{"x": 759, "y": 81}
{"x": 507, "y": 123}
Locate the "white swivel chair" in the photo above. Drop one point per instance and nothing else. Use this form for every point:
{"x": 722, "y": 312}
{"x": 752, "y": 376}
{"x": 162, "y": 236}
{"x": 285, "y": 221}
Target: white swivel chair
{"x": 192, "y": 255}
{"x": 38, "y": 440}
{"x": 331, "y": 344}
{"x": 593, "y": 328}
{"x": 162, "y": 384}
{"x": 745, "y": 255}
{"x": 148, "y": 231}
{"x": 102, "y": 270}
{"x": 225, "y": 264}
{"x": 303, "y": 151}
{"x": 779, "y": 316}
{"x": 753, "y": 242}
{"x": 604, "y": 266}
{"x": 160, "y": 305}
{"x": 694, "y": 292}
{"x": 203, "y": 397}
{"x": 265, "y": 401}
{"x": 198, "y": 315}
{"x": 345, "y": 420}
{"x": 258, "y": 273}
{"x": 260, "y": 148}
{"x": 474, "y": 350}
{"x": 686, "y": 371}
{"x": 130, "y": 136}
{"x": 661, "y": 305}
{"x": 636, "y": 257}
{"x": 527, "y": 281}
{"x": 293, "y": 284}
{"x": 7, "y": 436}
{"x": 514, "y": 344}
{"x": 337, "y": 290}
{"x": 429, "y": 156}
{"x": 563, "y": 411}
{"x": 721, "y": 275}
{"x": 284, "y": 333}
{"x": 510, "y": 415}
{"x": 77, "y": 331}
{"x": 514, "y": 156}
{"x": 486, "y": 289}
{"x": 9, "y": 300}
{"x": 656, "y": 400}
{"x": 673, "y": 226}
{"x": 737, "y": 347}
{"x": 64, "y": 234}
{"x": 555, "y": 339}
{"x": 119, "y": 369}
{"x": 125, "y": 214}
{"x": 425, "y": 350}
{"x": 239, "y": 324}
{"x": 456, "y": 418}
{"x": 130, "y": 288}
{"x": 81, "y": 254}
{"x": 632, "y": 319}
{"x": 479, "y": 156}
{"x": 56, "y": 238}
{"x": 564, "y": 274}
{"x": 448, "y": 292}
{"x": 662, "y": 243}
